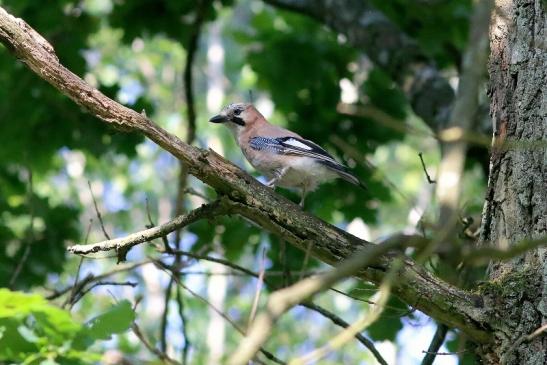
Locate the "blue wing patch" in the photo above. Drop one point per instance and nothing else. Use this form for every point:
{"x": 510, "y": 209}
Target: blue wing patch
{"x": 269, "y": 144}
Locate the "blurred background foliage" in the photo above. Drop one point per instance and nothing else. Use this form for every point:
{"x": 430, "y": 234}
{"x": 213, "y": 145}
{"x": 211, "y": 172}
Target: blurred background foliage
{"x": 55, "y": 159}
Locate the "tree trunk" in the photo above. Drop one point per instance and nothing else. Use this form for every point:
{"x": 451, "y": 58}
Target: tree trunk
{"x": 516, "y": 201}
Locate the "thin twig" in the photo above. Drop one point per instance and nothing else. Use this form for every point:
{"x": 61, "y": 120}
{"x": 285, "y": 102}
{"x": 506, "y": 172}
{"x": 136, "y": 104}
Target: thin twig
{"x": 284, "y": 299}
{"x": 91, "y": 279}
{"x": 75, "y": 285}
{"x": 340, "y": 322}
{"x": 97, "y": 211}
{"x": 287, "y": 276}
{"x": 486, "y": 254}
{"x": 435, "y": 345}
{"x": 429, "y": 179}
{"x": 161, "y": 355}
{"x": 335, "y": 319}
{"x": 361, "y": 324}
{"x": 184, "y": 326}
{"x": 217, "y": 260}
{"x": 82, "y": 293}
{"x": 205, "y": 211}
{"x": 258, "y": 288}
{"x": 443, "y": 353}
{"x": 165, "y": 313}
{"x": 306, "y": 259}
{"x": 266, "y": 353}
{"x": 151, "y": 224}
{"x": 30, "y": 237}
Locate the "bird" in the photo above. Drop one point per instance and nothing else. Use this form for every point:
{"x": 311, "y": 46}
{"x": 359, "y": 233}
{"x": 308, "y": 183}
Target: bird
{"x": 285, "y": 158}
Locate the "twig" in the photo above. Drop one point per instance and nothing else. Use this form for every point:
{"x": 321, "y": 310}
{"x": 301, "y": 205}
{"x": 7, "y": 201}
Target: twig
{"x": 284, "y": 299}
{"x": 335, "y": 319}
{"x": 82, "y": 293}
{"x": 429, "y": 179}
{"x": 266, "y": 353}
{"x": 188, "y": 84}
{"x": 165, "y": 313}
{"x": 350, "y": 332}
{"x": 340, "y": 322}
{"x": 184, "y": 322}
{"x": 205, "y": 211}
{"x": 306, "y": 259}
{"x": 486, "y": 254}
{"x": 443, "y": 353}
{"x": 97, "y": 211}
{"x": 435, "y": 345}
{"x": 30, "y": 237}
{"x": 194, "y": 192}
{"x": 91, "y": 279}
{"x": 217, "y": 260}
{"x": 536, "y": 333}
{"x": 151, "y": 224}
{"x": 258, "y": 289}
{"x": 161, "y": 355}
{"x": 75, "y": 285}
{"x": 287, "y": 276}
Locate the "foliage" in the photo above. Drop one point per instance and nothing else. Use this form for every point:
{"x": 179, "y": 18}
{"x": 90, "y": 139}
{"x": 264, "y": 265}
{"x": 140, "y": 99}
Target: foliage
{"x": 32, "y": 331}
{"x": 135, "y": 51}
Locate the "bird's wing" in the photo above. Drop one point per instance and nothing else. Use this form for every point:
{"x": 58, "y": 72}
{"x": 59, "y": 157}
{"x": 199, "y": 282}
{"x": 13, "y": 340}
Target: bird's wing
{"x": 294, "y": 146}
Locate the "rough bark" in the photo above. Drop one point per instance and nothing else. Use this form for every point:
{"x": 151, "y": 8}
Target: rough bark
{"x": 516, "y": 201}
{"x": 448, "y": 304}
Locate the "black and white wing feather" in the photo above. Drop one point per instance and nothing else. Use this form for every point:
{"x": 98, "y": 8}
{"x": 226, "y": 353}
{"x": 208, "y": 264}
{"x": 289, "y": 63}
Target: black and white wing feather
{"x": 293, "y": 146}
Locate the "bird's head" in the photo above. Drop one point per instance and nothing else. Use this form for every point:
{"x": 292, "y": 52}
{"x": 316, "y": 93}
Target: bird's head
{"x": 237, "y": 116}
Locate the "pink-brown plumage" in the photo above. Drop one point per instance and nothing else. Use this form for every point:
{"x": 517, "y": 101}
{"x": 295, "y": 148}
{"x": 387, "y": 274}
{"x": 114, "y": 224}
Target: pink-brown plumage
{"x": 284, "y": 157}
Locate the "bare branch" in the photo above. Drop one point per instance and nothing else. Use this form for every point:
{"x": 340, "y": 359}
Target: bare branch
{"x": 184, "y": 325}
{"x": 218, "y": 311}
{"x": 205, "y": 211}
{"x": 435, "y": 345}
{"x": 429, "y": 179}
{"x": 97, "y": 211}
{"x": 483, "y": 255}
{"x": 82, "y": 293}
{"x": 340, "y": 322}
{"x": 283, "y": 300}
{"x": 30, "y": 233}
{"x": 161, "y": 355}
{"x": 258, "y": 289}
{"x": 333, "y": 317}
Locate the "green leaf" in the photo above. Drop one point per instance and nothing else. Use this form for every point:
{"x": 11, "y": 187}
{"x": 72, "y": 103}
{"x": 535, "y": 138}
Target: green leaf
{"x": 116, "y": 320}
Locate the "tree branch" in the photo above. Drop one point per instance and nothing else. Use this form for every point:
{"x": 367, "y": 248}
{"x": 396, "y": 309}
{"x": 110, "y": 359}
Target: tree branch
{"x": 435, "y": 345}
{"x": 284, "y": 299}
{"x": 370, "y": 31}
{"x": 444, "y": 302}
{"x": 205, "y": 211}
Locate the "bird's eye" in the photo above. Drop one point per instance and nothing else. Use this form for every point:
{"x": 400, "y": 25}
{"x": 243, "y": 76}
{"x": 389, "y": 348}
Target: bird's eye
{"x": 237, "y": 111}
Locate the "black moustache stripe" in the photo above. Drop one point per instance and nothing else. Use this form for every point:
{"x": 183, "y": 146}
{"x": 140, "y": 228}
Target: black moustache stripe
{"x": 238, "y": 120}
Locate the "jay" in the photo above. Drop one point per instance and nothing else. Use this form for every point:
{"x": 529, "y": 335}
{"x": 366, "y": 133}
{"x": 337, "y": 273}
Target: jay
{"x": 285, "y": 158}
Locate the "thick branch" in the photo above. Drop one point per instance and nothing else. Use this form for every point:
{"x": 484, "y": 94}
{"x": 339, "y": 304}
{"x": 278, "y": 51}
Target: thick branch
{"x": 448, "y": 304}
{"x": 369, "y": 30}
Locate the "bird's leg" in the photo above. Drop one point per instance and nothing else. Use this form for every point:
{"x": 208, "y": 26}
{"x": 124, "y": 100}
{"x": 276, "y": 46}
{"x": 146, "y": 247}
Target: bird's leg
{"x": 304, "y": 192}
{"x": 278, "y": 174}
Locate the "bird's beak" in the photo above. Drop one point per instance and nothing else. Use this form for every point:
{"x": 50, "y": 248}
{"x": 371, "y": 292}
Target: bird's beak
{"x": 218, "y": 119}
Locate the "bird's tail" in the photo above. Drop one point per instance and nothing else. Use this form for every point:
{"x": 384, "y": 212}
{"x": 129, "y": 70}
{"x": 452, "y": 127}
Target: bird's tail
{"x": 351, "y": 178}
{"x": 344, "y": 173}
